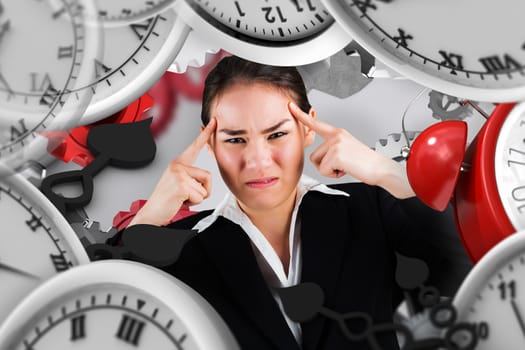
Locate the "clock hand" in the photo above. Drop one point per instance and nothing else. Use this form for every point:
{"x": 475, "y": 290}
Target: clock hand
{"x": 17, "y": 271}
{"x": 518, "y": 315}
{"x": 4, "y": 28}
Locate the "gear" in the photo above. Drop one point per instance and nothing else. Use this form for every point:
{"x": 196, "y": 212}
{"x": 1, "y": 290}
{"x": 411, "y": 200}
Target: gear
{"x": 393, "y": 146}
{"x": 123, "y": 218}
{"x": 446, "y": 107}
{"x": 164, "y": 108}
{"x": 191, "y": 83}
{"x": 420, "y": 326}
{"x": 89, "y": 232}
{"x": 187, "y": 57}
{"x": 341, "y": 75}
{"x": 74, "y": 147}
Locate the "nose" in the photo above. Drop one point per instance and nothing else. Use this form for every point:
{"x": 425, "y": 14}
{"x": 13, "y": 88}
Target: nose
{"x": 257, "y": 155}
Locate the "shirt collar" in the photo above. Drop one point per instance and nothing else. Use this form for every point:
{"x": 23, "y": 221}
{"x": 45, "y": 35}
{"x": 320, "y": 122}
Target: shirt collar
{"x": 229, "y": 208}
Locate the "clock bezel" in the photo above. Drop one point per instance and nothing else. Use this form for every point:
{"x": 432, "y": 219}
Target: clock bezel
{"x": 480, "y": 217}
{"x": 292, "y": 53}
{"x": 204, "y": 324}
{"x": 405, "y": 67}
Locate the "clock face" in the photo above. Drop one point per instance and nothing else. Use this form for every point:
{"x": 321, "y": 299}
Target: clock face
{"x": 36, "y": 242}
{"x": 292, "y": 32}
{"x": 38, "y": 66}
{"x": 134, "y": 56}
{"x": 111, "y": 317}
{"x": 115, "y": 305}
{"x": 510, "y": 166}
{"x": 493, "y": 298}
{"x": 274, "y": 21}
{"x": 440, "y": 46}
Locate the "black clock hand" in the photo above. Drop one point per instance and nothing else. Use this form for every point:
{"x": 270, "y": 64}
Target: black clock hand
{"x": 518, "y": 315}
{"x": 17, "y": 271}
{"x": 4, "y": 82}
{"x": 4, "y": 27}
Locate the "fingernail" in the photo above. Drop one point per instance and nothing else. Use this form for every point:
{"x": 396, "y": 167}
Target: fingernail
{"x": 293, "y": 105}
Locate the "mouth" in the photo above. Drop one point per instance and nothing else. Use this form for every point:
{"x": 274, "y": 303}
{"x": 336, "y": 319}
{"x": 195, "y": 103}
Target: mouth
{"x": 262, "y": 182}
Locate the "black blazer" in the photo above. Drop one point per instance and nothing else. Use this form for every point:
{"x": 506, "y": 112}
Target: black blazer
{"x": 349, "y": 249}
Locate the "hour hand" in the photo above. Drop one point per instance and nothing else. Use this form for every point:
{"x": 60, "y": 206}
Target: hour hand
{"x": 18, "y": 271}
{"x": 4, "y": 28}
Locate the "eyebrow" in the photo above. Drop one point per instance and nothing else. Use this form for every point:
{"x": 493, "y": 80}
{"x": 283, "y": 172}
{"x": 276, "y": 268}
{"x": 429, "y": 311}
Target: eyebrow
{"x": 233, "y": 132}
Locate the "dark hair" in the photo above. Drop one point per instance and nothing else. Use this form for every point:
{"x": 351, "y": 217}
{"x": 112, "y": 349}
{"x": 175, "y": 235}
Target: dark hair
{"x": 231, "y": 70}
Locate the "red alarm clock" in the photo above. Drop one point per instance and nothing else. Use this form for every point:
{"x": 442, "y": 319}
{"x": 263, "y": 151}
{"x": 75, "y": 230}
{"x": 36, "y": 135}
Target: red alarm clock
{"x": 489, "y": 195}
{"x": 489, "y": 198}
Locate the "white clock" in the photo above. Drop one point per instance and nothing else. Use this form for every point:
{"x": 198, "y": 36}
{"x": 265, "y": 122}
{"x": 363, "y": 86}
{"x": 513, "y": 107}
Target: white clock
{"x": 492, "y": 297}
{"x": 283, "y": 33}
{"x": 115, "y": 305}
{"x": 42, "y": 56}
{"x": 470, "y": 49}
{"x": 134, "y": 56}
{"x": 36, "y": 241}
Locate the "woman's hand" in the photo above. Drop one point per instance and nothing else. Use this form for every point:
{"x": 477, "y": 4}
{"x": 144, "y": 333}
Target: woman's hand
{"x": 180, "y": 184}
{"x": 341, "y": 153}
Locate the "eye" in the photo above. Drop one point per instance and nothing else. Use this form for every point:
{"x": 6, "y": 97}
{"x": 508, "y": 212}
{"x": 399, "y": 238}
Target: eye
{"x": 234, "y": 140}
{"x": 277, "y": 134}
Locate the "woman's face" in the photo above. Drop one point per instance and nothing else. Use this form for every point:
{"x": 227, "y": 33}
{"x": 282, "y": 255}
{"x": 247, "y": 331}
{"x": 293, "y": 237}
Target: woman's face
{"x": 258, "y": 144}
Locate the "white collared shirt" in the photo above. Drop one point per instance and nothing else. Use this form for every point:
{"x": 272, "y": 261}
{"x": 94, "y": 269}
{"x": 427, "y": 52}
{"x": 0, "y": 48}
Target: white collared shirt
{"x": 271, "y": 266}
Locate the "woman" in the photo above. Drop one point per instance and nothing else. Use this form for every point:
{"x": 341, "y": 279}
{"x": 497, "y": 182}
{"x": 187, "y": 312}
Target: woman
{"x": 278, "y": 227}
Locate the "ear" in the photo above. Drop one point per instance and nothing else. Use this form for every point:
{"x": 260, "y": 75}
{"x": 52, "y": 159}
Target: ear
{"x": 309, "y": 134}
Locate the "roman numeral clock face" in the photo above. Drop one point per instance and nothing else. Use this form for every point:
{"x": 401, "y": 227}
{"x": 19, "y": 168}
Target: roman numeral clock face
{"x": 115, "y": 305}
{"x": 471, "y": 49}
{"x": 36, "y": 242}
{"x": 42, "y": 55}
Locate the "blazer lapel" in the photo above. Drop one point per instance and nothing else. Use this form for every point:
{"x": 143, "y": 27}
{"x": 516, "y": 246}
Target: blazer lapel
{"x": 324, "y": 237}
{"x": 230, "y": 249}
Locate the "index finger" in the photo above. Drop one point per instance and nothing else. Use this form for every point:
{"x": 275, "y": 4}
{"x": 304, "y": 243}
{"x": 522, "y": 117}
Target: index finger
{"x": 323, "y": 129}
{"x": 189, "y": 155}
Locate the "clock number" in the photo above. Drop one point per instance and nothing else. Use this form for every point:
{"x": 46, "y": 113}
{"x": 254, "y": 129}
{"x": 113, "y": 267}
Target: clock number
{"x": 364, "y": 5}
{"x": 507, "y": 290}
{"x": 270, "y": 18}
{"x": 100, "y": 69}
{"x": 451, "y": 60}
{"x": 497, "y": 64}
{"x": 60, "y": 262}
{"x": 238, "y": 7}
{"x": 130, "y": 330}
{"x": 49, "y": 96}
{"x": 126, "y": 12}
{"x": 16, "y": 133}
{"x": 509, "y": 162}
{"x": 141, "y": 28}
{"x": 402, "y": 38}
{"x": 78, "y": 327}
{"x": 65, "y": 51}
{"x": 59, "y": 12}
{"x": 483, "y": 330}
{"x": 519, "y": 198}
{"x": 35, "y": 86}
{"x": 300, "y": 9}
{"x": 34, "y": 223}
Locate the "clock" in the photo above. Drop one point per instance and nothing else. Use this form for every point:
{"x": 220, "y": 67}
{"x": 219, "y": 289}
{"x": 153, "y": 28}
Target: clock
{"x": 489, "y": 198}
{"x": 444, "y": 45}
{"x": 116, "y": 305}
{"x": 42, "y": 56}
{"x": 492, "y": 296}
{"x": 36, "y": 242}
{"x": 283, "y": 33}
{"x": 134, "y": 57}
